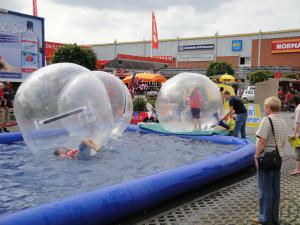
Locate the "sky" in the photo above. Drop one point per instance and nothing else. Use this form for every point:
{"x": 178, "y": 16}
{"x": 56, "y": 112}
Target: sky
{"x": 104, "y": 21}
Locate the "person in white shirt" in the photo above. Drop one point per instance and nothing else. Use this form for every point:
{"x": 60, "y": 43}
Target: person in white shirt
{"x": 295, "y": 133}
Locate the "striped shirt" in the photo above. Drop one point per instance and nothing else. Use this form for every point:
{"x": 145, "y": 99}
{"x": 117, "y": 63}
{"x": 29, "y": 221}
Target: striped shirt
{"x": 265, "y": 131}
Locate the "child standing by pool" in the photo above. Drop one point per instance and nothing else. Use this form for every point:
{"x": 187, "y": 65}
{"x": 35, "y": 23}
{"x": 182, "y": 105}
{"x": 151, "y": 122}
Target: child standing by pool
{"x": 87, "y": 149}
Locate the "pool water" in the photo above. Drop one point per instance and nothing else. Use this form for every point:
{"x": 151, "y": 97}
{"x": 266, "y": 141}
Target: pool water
{"x": 27, "y": 180}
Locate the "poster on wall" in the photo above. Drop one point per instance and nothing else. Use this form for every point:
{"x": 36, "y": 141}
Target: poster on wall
{"x": 21, "y": 45}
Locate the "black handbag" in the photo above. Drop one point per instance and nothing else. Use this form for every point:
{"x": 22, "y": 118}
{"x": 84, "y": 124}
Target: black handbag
{"x": 270, "y": 160}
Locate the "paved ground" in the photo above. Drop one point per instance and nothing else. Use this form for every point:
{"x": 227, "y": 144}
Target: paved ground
{"x": 236, "y": 204}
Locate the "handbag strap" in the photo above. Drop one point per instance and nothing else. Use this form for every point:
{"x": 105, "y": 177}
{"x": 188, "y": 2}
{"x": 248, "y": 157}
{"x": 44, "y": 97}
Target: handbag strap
{"x": 272, "y": 127}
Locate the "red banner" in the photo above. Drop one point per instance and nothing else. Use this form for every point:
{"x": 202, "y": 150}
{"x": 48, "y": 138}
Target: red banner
{"x": 34, "y": 7}
{"x": 282, "y": 46}
{"x": 154, "y": 33}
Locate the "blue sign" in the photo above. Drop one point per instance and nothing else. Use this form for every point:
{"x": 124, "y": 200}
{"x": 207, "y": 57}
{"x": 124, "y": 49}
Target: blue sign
{"x": 196, "y": 47}
{"x": 237, "y": 45}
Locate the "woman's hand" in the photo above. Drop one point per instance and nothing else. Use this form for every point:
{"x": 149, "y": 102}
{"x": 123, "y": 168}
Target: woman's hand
{"x": 256, "y": 161}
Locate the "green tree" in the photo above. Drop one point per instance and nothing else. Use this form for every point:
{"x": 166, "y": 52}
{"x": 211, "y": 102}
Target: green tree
{"x": 75, "y": 54}
{"x": 219, "y": 68}
{"x": 260, "y": 75}
{"x": 290, "y": 75}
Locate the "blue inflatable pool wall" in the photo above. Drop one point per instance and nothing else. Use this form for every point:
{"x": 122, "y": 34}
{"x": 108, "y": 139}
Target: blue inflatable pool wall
{"x": 113, "y": 203}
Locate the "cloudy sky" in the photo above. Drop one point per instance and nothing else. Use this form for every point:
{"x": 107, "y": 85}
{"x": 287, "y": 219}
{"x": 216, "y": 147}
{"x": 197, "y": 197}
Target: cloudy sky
{"x": 102, "y": 21}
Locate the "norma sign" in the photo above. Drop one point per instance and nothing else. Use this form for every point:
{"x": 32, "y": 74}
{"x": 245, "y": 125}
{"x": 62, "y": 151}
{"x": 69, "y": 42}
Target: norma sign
{"x": 196, "y": 47}
{"x": 237, "y": 45}
{"x": 282, "y": 46}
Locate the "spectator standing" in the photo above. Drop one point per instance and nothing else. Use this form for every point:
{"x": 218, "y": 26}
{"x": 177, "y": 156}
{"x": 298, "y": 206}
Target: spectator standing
{"x": 3, "y": 109}
{"x": 288, "y": 100}
{"x": 269, "y": 140}
{"x": 295, "y": 133}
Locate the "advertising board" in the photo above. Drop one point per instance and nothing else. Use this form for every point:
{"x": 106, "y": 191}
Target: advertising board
{"x": 21, "y": 45}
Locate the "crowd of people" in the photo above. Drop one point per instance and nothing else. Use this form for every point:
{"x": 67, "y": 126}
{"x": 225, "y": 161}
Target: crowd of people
{"x": 7, "y": 94}
{"x": 286, "y": 96}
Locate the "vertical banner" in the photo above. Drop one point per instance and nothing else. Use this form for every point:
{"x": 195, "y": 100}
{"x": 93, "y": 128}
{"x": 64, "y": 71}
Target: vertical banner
{"x": 34, "y": 7}
{"x": 154, "y": 32}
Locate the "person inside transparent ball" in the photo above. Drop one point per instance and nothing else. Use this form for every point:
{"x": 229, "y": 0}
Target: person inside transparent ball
{"x": 86, "y": 150}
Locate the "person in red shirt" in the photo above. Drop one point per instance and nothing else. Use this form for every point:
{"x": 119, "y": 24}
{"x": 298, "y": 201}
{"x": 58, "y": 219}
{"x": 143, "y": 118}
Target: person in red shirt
{"x": 195, "y": 104}
{"x": 288, "y": 100}
{"x": 4, "y": 110}
{"x": 87, "y": 149}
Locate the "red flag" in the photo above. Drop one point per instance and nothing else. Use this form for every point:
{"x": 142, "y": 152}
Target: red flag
{"x": 34, "y": 6}
{"x": 154, "y": 33}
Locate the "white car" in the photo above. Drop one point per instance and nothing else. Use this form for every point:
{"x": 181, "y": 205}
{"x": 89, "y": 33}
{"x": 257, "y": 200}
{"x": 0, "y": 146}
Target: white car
{"x": 248, "y": 95}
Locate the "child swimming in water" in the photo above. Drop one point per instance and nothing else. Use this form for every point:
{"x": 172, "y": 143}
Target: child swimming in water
{"x": 87, "y": 149}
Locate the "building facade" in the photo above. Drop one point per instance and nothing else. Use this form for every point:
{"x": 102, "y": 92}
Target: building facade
{"x": 276, "y": 50}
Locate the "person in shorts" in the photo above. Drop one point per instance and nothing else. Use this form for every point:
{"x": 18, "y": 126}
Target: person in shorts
{"x": 296, "y": 102}
{"x": 195, "y": 103}
{"x": 87, "y": 149}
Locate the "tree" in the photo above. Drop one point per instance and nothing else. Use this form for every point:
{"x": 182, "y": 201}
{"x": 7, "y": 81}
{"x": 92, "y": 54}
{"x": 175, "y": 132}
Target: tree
{"x": 76, "y": 54}
{"x": 219, "y": 68}
{"x": 260, "y": 75}
{"x": 290, "y": 75}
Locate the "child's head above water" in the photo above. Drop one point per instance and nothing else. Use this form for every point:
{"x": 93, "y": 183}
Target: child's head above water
{"x": 60, "y": 152}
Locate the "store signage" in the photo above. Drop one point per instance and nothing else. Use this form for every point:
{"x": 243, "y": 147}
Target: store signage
{"x": 196, "y": 47}
{"x": 196, "y": 57}
{"x": 282, "y": 46}
{"x": 254, "y": 115}
{"x": 164, "y": 57}
{"x": 237, "y": 45}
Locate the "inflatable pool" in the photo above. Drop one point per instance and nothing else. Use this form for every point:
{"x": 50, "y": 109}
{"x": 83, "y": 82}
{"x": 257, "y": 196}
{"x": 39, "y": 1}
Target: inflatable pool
{"x": 115, "y": 202}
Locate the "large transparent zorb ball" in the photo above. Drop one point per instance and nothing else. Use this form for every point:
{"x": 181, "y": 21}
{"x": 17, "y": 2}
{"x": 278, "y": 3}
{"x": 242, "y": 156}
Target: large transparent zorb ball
{"x": 46, "y": 124}
{"x": 120, "y": 99}
{"x": 187, "y": 100}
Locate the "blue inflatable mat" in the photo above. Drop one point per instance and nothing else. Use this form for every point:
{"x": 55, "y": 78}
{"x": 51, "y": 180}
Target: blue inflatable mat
{"x": 156, "y": 127}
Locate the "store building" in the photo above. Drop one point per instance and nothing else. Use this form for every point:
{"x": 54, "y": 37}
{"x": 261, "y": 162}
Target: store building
{"x": 275, "y": 50}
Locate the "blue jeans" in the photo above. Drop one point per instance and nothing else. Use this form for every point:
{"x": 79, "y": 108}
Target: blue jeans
{"x": 269, "y": 196}
{"x": 240, "y": 126}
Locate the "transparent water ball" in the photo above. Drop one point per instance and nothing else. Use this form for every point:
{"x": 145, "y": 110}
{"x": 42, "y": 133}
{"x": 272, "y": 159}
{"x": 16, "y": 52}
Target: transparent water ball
{"x": 120, "y": 99}
{"x": 189, "y": 102}
{"x": 45, "y": 123}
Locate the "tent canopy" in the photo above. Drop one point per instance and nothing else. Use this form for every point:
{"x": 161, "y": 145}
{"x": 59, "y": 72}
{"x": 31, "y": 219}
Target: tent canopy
{"x": 147, "y": 77}
{"x": 226, "y": 78}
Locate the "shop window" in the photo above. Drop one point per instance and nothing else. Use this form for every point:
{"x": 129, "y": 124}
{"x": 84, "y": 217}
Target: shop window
{"x": 245, "y": 61}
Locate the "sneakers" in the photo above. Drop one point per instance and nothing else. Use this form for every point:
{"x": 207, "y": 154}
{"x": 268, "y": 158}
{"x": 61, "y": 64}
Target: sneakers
{"x": 5, "y": 130}
{"x": 255, "y": 221}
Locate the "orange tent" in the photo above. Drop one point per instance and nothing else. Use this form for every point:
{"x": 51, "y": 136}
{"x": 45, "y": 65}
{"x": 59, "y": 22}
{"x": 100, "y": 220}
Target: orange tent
{"x": 147, "y": 77}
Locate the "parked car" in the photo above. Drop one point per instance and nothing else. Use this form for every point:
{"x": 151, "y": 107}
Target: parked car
{"x": 249, "y": 95}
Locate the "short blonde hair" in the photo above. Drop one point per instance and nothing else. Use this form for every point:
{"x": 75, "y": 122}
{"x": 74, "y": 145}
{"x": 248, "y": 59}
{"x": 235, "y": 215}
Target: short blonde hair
{"x": 274, "y": 103}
